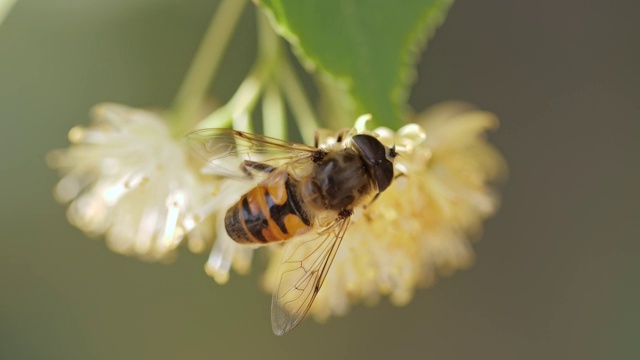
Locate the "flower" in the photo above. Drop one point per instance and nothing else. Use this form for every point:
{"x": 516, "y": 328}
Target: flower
{"x": 423, "y": 224}
{"x": 126, "y": 177}
{"x": 227, "y": 253}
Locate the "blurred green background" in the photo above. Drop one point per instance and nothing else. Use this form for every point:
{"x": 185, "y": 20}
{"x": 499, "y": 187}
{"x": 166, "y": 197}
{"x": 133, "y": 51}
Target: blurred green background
{"x": 557, "y": 272}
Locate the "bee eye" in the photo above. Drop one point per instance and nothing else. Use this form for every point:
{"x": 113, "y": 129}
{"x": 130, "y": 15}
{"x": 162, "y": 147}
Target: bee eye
{"x": 383, "y": 174}
{"x": 374, "y": 155}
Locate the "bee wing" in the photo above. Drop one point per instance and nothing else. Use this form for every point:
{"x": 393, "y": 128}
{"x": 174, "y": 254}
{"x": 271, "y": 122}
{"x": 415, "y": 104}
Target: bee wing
{"x": 225, "y": 149}
{"x": 304, "y": 267}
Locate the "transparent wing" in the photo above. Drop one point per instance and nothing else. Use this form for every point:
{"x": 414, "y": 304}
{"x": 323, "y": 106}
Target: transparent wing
{"x": 225, "y": 149}
{"x": 304, "y": 267}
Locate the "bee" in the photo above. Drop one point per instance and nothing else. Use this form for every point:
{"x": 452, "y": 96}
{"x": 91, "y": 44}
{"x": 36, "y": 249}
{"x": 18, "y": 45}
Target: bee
{"x": 305, "y": 198}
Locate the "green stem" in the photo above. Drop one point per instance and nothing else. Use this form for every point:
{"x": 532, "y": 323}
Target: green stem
{"x": 237, "y": 110}
{"x": 273, "y": 110}
{"x": 207, "y": 59}
{"x": 242, "y": 122}
{"x": 269, "y": 43}
{"x": 243, "y": 100}
{"x": 271, "y": 64}
{"x": 5, "y": 8}
{"x": 274, "y": 117}
{"x": 297, "y": 99}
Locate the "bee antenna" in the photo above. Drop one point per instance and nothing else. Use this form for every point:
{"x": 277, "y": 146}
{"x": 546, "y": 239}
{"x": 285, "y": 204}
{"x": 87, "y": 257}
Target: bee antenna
{"x": 392, "y": 151}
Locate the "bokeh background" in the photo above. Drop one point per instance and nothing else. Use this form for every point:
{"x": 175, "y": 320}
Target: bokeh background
{"x": 557, "y": 272}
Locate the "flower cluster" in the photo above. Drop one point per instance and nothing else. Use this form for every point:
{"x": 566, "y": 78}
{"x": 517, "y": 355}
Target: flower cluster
{"x": 423, "y": 224}
{"x": 128, "y": 178}
{"x": 125, "y": 177}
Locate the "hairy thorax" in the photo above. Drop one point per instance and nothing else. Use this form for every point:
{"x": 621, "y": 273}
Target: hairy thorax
{"x": 339, "y": 182}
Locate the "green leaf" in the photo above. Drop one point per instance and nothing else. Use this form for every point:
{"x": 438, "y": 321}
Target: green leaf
{"x": 369, "y": 45}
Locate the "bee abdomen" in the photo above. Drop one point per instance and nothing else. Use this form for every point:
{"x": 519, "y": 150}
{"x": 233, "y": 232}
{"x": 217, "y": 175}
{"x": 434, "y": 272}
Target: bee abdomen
{"x": 234, "y": 224}
{"x": 267, "y": 213}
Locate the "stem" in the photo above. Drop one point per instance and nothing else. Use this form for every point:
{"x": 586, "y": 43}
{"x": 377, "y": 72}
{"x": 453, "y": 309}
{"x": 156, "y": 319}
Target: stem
{"x": 5, "y": 8}
{"x": 207, "y": 59}
{"x": 300, "y": 105}
{"x": 273, "y": 110}
{"x": 271, "y": 61}
{"x": 237, "y": 110}
{"x": 242, "y": 122}
{"x": 243, "y": 100}
{"x": 269, "y": 45}
{"x": 274, "y": 118}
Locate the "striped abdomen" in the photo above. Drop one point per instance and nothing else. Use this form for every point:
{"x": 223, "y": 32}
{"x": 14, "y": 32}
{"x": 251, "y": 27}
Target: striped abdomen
{"x": 269, "y": 212}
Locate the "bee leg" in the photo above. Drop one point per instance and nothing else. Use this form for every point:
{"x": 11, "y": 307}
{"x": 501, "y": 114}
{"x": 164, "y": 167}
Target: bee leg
{"x": 341, "y": 135}
{"x": 247, "y": 165}
{"x": 399, "y": 175}
{"x": 345, "y": 213}
{"x": 372, "y": 200}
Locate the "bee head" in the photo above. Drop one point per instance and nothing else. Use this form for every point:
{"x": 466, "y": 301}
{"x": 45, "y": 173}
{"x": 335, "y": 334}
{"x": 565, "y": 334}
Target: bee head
{"x": 377, "y": 158}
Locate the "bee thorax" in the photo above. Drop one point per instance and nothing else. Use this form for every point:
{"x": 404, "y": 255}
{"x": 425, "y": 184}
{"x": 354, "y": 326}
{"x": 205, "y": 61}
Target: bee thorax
{"x": 340, "y": 182}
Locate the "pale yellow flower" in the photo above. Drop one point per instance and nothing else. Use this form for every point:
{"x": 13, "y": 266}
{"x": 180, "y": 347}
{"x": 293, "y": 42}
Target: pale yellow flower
{"x": 424, "y": 223}
{"x": 126, "y": 177}
{"x": 226, "y": 253}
